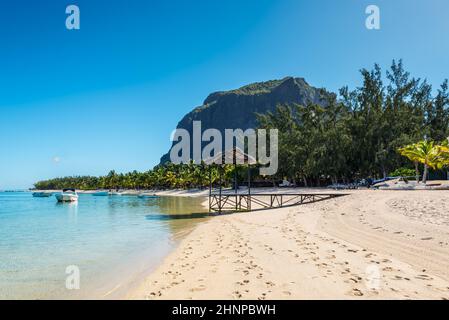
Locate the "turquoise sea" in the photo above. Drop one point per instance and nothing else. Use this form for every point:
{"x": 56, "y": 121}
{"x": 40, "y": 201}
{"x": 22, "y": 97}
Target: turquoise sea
{"x": 113, "y": 241}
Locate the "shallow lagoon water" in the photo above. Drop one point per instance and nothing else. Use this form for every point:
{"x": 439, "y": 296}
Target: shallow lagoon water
{"x": 114, "y": 241}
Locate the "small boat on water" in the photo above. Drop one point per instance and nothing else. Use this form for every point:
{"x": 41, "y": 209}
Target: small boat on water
{"x": 100, "y": 194}
{"x": 67, "y": 195}
{"x": 42, "y": 194}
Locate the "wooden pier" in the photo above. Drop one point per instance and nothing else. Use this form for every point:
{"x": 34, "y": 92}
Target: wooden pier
{"x": 235, "y": 202}
{"x": 227, "y": 201}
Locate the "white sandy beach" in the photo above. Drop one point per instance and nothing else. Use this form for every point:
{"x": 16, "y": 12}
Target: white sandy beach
{"x": 367, "y": 245}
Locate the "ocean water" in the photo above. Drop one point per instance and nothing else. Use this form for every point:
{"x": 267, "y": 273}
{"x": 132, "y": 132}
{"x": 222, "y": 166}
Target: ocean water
{"x": 113, "y": 242}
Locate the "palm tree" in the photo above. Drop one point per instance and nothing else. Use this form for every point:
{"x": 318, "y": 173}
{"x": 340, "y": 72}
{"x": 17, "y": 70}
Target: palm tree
{"x": 445, "y": 144}
{"x": 409, "y": 152}
{"x": 428, "y": 153}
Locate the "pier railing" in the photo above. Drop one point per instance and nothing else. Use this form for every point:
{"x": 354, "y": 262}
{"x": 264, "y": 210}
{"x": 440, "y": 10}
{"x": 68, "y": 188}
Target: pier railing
{"x": 234, "y": 202}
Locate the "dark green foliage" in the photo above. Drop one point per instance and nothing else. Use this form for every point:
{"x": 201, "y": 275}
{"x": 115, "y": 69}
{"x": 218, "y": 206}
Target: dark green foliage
{"x": 403, "y": 172}
{"x": 358, "y": 136}
{"x": 168, "y": 176}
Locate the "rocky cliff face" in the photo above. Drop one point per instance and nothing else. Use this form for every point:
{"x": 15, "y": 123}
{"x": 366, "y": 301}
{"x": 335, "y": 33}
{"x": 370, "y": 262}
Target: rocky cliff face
{"x": 236, "y": 109}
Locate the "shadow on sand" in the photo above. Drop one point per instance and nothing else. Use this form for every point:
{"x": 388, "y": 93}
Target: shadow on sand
{"x": 176, "y": 216}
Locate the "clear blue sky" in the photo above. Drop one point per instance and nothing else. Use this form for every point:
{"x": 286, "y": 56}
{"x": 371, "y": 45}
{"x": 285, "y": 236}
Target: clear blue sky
{"x": 109, "y": 95}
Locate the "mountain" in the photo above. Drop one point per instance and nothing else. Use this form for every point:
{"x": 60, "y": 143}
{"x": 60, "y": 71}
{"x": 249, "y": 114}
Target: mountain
{"x": 237, "y": 108}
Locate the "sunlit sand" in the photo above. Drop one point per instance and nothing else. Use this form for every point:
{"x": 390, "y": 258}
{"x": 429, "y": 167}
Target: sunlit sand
{"x": 367, "y": 245}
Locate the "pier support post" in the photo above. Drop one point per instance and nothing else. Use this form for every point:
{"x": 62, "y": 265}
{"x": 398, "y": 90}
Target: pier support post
{"x": 219, "y": 197}
{"x": 210, "y": 189}
{"x": 249, "y": 187}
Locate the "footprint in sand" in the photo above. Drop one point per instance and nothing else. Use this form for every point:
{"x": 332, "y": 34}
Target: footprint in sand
{"x": 199, "y": 288}
{"x": 423, "y": 277}
{"x": 353, "y": 280}
{"x": 356, "y": 292}
{"x": 155, "y": 294}
{"x": 263, "y": 297}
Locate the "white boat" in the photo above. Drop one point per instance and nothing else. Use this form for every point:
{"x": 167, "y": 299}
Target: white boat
{"x": 67, "y": 195}
{"x": 100, "y": 194}
{"x": 42, "y": 194}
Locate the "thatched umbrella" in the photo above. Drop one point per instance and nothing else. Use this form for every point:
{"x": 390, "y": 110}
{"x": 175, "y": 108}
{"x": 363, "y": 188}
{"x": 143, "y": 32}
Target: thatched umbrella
{"x": 231, "y": 156}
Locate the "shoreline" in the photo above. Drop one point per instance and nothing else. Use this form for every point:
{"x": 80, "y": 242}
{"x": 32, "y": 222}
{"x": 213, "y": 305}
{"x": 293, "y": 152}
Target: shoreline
{"x": 134, "y": 281}
{"x": 367, "y": 245}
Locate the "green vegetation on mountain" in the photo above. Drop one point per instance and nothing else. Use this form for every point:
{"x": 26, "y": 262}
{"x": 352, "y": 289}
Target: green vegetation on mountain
{"x": 256, "y": 88}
